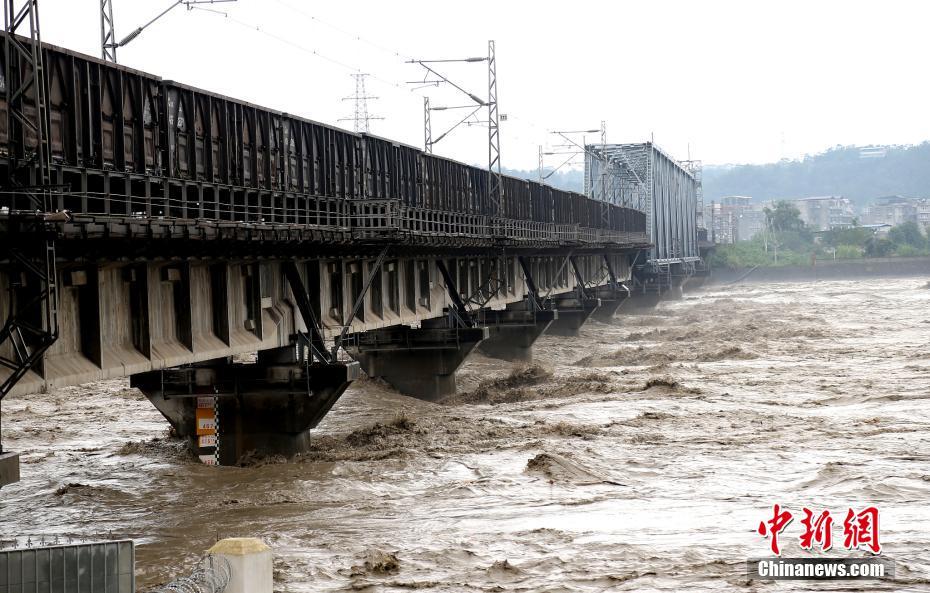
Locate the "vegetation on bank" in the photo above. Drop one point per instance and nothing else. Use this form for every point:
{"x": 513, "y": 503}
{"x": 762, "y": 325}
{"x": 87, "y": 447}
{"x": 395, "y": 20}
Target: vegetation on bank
{"x": 787, "y": 241}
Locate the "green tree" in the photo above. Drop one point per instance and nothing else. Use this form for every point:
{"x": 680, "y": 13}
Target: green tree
{"x": 877, "y": 247}
{"x": 784, "y": 217}
{"x": 854, "y": 235}
{"x": 907, "y": 233}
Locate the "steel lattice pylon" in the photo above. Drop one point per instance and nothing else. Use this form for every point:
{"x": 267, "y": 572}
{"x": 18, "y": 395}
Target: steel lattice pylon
{"x": 427, "y": 127}
{"x": 108, "y": 41}
{"x": 495, "y": 183}
{"x": 31, "y": 324}
{"x": 361, "y": 118}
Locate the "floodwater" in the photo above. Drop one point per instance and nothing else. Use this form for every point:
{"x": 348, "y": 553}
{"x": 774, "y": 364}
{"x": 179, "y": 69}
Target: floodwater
{"x": 639, "y": 456}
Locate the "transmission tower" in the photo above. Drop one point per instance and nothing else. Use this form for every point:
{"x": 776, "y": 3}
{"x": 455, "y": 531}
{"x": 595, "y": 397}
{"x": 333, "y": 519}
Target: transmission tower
{"x": 361, "y": 117}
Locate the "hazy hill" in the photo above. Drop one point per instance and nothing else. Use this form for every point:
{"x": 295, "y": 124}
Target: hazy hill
{"x": 841, "y": 171}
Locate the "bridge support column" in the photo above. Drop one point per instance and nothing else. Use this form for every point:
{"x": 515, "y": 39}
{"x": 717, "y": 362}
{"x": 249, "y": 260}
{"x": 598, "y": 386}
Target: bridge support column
{"x": 649, "y": 286}
{"x": 267, "y": 407}
{"x": 9, "y": 468}
{"x": 611, "y": 299}
{"x": 643, "y": 300}
{"x": 680, "y": 275}
{"x": 573, "y": 312}
{"x": 513, "y": 332}
{"x": 417, "y": 362}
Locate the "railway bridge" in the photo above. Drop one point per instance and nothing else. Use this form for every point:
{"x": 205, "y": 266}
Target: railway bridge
{"x": 242, "y": 265}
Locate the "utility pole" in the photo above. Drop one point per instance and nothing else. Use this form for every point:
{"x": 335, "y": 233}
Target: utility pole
{"x": 107, "y": 32}
{"x": 427, "y": 127}
{"x": 574, "y": 149}
{"x": 495, "y": 182}
{"x": 541, "y": 171}
{"x": 604, "y": 163}
{"x": 361, "y": 117}
{"x": 108, "y": 43}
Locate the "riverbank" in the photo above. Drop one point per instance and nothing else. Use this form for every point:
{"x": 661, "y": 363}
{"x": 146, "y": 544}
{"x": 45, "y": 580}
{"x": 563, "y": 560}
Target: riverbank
{"x": 841, "y": 269}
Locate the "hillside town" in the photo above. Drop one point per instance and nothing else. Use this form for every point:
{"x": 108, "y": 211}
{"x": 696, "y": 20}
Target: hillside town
{"x": 741, "y": 218}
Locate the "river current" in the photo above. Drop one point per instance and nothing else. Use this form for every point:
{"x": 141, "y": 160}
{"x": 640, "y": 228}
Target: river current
{"x": 638, "y": 456}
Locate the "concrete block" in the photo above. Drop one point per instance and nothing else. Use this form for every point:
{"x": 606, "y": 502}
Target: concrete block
{"x": 250, "y": 564}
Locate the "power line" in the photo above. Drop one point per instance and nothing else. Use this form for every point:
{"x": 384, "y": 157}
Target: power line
{"x": 108, "y": 41}
{"x": 391, "y": 84}
{"x": 493, "y": 125}
{"x": 349, "y": 34}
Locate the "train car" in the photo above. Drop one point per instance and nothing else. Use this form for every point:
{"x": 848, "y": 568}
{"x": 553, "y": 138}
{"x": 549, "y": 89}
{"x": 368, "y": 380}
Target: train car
{"x": 214, "y": 138}
{"x": 131, "y": 143}
{"x": 451, "y": 186}
{"x": 391, "y": 170}
{"x": 100, "y": 115}
{"x": 517, "y": 199}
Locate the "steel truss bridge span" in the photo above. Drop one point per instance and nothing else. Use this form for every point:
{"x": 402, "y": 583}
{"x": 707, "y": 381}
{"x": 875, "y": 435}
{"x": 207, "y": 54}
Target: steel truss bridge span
{"x": 158, "y": 231}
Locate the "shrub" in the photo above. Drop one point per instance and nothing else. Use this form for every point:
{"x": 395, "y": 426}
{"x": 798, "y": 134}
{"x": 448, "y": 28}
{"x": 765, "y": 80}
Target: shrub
{"x": 848, "y": 251}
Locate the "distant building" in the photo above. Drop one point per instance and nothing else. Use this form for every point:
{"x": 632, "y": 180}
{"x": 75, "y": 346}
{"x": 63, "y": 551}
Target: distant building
{"x": 893, "y": 210}
{"x": 923, "y": 214}
{"x": 719, "y": 225}
{"x": 751, "y": 222}
{"x": 823, "y": 213}
{"x": 734, "y": 218}
{"x": 873, "y": 152}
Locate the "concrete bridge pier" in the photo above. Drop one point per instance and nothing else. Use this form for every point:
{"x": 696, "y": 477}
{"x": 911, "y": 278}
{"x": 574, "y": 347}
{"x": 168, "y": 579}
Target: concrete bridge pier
{"x": 642, "y": 301}
{"x": 513, "y": 332}
{"x": 679, "y": 279}
{"x": 9, "y": 468}
{"x": 230, "y": 409}
{"x": 420, "y": 362}
{"x": 611, "y": 299}
{"x": 573, "y": 312}
{"x": 676, "y": 291}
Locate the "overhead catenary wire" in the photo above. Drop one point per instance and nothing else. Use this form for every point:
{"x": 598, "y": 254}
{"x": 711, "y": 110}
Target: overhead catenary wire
{"x": 391, "y": 84}
{"x": 393, "y": 52}
{"x": 349, "y": 34}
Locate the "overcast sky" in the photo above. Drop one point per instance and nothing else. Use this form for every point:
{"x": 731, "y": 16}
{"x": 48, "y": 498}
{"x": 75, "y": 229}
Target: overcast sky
{"x": 736, "y": 81}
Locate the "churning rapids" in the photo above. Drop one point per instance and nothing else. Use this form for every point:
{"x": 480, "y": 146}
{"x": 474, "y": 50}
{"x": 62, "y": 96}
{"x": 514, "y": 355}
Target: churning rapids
{"x": 640, "y": 455}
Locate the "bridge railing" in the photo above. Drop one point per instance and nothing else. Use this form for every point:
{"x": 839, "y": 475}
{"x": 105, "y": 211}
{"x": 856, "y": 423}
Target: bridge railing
{"x": 138, "y": 203}
{"x": 383, "y": 219}
{"x": 421, "y": 221}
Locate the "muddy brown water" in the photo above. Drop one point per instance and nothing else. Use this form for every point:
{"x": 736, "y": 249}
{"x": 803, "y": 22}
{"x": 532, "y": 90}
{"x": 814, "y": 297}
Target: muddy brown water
{"x": 640, "y": 456}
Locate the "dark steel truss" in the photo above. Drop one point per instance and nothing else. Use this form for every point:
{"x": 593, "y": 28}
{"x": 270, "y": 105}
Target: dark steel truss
{"x": 31, "y": 325}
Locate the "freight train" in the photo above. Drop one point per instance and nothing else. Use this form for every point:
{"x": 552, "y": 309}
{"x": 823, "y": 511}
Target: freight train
{"x": 126, "y": 143}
